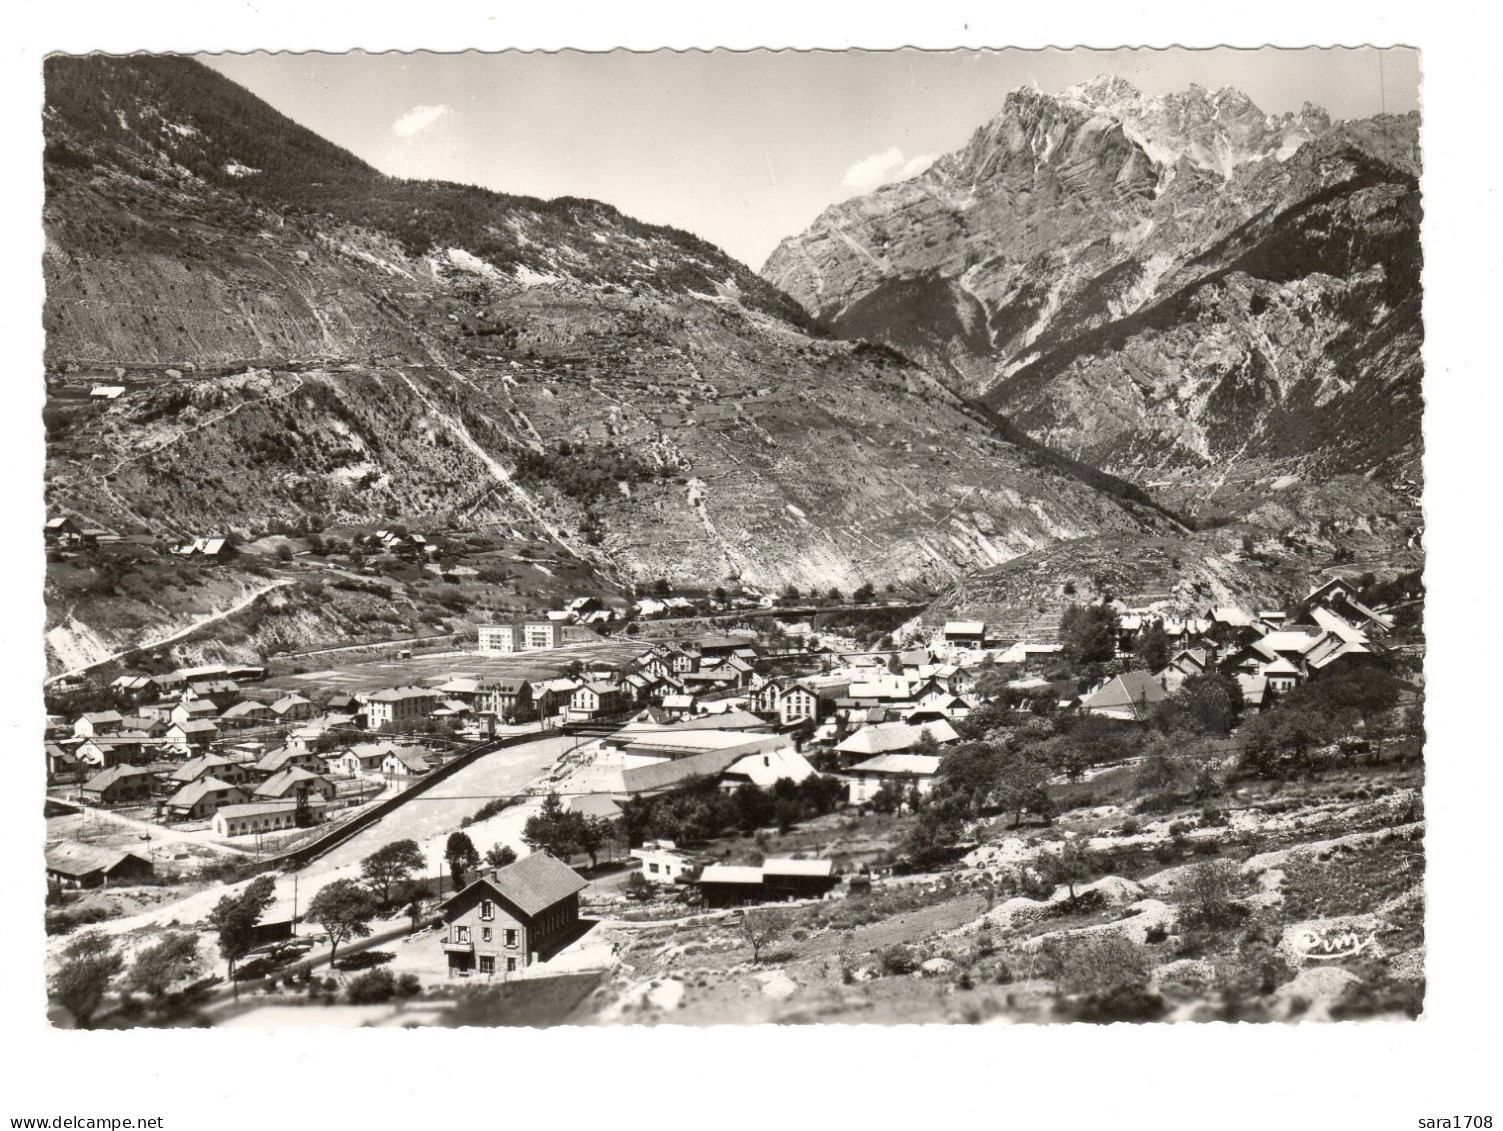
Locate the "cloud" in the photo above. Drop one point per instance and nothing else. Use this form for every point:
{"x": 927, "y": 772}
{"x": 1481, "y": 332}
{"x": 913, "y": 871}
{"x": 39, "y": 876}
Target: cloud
{"x": 418, "y": 119}
{"x": 884, "y": 168}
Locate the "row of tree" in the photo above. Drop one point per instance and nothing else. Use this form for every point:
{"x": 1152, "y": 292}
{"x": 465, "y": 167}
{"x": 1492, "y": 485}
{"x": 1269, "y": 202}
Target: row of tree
{"x": 701, "y": 810}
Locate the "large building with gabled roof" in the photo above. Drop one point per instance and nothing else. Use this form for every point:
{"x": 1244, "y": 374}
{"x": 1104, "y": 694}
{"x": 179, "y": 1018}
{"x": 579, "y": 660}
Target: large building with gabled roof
{"x": 509, "y": 919}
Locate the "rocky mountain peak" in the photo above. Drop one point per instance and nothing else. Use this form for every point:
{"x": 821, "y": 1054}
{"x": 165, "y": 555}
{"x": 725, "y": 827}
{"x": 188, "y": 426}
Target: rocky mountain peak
{"x": 1147, "y": 281}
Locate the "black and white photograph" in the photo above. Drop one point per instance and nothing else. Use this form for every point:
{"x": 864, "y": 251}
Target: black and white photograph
{"x": 726, "y": 538}
{"x": 664, "y": 563}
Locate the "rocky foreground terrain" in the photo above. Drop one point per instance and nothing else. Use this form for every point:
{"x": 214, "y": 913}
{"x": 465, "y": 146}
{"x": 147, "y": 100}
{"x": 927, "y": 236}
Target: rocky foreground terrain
{"x": 1178, "y": 288}
{"x": 1299, "y": 902}
{"x": 304, "y": 341}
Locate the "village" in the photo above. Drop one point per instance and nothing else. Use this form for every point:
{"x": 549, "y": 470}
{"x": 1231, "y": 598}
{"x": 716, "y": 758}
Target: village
{"x": 532, "y": 814}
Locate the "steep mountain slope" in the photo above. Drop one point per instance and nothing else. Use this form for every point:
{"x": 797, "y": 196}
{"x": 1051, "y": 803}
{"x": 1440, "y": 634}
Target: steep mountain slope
{"x": 304, "y": 340}
{"x": 1156, "y": 286}
{"x": 1267, "y": 558}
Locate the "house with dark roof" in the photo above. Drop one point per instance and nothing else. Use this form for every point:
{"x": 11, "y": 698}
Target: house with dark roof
{"x": 507, "y": 698}
{"x": 62, "y": 763}
{"x": 112, "y": 750}
{"x": 294, "y": 783}
{"x": 191, "y": 709}
{"x": 265, "y": 817}
{"x": 61, "y": 531}
{"x": 212, "y": 765}
{"x": 119, "y": 784}
{"x": 88, "y": 866}
{"x": 191, "y": 736}
{"x": 512, "y": 918}
{"x": 965, "y": 633}
{"x": 397, "y": 706}
{"x": 95, "y": 723}
{"x": 202, "y": 798}
{"x": 1129, "y": 696}
{"x": 274, "y": 761}
{"x": 730, "y": 885}
{"x": 247, "y": 713}
{"x": 293, "y": 708}
{"x": 362, "y": 760}
{"x": 597, "y": 700}
{"x": 407, "y": 762}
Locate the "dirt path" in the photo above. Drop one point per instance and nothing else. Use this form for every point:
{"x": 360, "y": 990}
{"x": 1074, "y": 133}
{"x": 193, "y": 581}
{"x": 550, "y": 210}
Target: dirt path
{"x": 238, "y": 606}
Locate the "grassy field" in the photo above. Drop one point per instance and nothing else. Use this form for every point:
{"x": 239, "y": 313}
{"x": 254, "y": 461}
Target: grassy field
{"x": 356, "y": 674}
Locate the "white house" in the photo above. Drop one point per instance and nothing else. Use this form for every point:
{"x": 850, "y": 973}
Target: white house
{"x": 662, "y": 863}
{"x": 910, "y": 771}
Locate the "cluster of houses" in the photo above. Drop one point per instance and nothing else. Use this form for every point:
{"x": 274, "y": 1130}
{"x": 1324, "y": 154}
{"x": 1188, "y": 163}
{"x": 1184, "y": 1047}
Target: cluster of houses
{"x": 258, "y": 785}
{"x": 202, "y": 744}
{"x": 1267, "y": 655}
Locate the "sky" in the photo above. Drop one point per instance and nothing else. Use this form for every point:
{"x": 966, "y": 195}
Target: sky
{"x": 742, "y": 148}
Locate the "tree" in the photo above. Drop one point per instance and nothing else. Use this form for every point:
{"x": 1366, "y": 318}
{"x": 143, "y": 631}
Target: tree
{"x": 500, "y": 855}
{"x": 720, "y": 595}
{"x": 834, "y": 594}
{"x": 753, "y": 807}
{"x": 555, "y": 830}
{"x": 661, "y": 588}
{"x": 1066, "y": 755}
{"x": 933, "y": 838}
{"x": 344, "y": 910}
{"x": 462, "y": 857}
{"x": 968, "y": 775}
{"x": 235, "y": 918}
{"x": 1285, "y": 737}
{"x": 759, "y": 928}
{"x": 791, "y": 594}
{"x": 87, "y": 965}
{"x": 1070, "y": 866}
{"x": 1089, "y": 633}
{"x": 1207, "y": 703}
{"x": 889, "y": 796}
{"x": 415, "y": 914}
{"x": 391, "y": 865}
{"x": 593, "y": 833}
{"x": 157, "y": 967}
{"x": 864, "y": 594}
{"x": 1152, "y": 646}
{"x": 1021, "y": 783}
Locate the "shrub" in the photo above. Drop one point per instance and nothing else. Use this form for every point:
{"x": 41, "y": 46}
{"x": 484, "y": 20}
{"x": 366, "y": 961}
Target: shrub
{"x": 1096, "y": 964}
{"x": 1120, "y": 1003}
{"x": 1208, "y": 896}
{"x": 371, "y": 988}
{"x": 897, "y": 960}
{"x": 1129, "y": 827}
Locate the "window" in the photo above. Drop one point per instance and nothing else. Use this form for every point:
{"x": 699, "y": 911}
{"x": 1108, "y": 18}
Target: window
{"x": 511, "y": 964}
{"x": 653, "y": 868}
{"x": 509, "y": 936}
{"x": 487, "y": 964}
{"x": 461, "y": 934}
{"x": 487, "y": 909}
{"x": 485, "y": 934}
